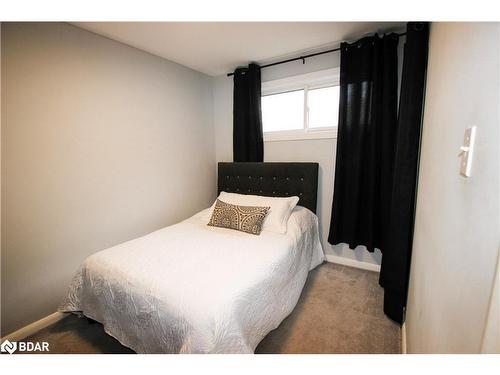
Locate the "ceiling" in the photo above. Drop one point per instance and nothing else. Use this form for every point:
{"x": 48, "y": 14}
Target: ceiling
{"x": 215, "y": 48}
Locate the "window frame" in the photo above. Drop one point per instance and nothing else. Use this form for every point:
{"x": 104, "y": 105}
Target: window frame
{"x": 306, "y": 82}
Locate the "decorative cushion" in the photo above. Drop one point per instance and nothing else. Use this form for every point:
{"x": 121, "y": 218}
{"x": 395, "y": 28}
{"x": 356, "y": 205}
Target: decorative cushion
{"x": 280, "y": 208}
{"x": 247, "y": 219}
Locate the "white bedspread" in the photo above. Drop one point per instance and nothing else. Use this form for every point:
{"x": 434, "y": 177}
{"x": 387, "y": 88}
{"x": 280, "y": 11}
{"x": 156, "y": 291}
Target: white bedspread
{"x": 190, "y": 288}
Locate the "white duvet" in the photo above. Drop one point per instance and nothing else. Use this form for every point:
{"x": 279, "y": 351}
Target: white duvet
{"x": 191, "y": 288}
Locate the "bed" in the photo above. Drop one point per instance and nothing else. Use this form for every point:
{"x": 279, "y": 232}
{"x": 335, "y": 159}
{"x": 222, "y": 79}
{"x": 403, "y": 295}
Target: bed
{"x": 191, "y": 288}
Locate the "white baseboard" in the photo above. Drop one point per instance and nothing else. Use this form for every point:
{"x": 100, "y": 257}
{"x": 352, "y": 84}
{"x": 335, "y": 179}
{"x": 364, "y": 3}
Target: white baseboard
{"x": 403, "y": 338}
{"x": 34, "y": 327}
{"x": 352, "y": 263}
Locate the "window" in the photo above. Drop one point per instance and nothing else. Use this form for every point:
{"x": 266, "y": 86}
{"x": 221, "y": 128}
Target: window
{"x": 323, "y": 105}
{"x": 301, "y": 107}
{"x": 283, "y": 111}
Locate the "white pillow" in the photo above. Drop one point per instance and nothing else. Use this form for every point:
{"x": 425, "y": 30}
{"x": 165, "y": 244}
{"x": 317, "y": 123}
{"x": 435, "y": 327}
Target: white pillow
{"x": 278, "y": 215}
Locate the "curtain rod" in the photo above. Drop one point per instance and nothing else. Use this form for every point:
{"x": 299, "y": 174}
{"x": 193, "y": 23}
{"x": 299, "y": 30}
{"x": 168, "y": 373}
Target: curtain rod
{"x": 303, "y": 58}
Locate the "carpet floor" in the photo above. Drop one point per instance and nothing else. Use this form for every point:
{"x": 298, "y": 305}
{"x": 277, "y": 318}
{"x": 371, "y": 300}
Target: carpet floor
{"x": 339, "y": 311}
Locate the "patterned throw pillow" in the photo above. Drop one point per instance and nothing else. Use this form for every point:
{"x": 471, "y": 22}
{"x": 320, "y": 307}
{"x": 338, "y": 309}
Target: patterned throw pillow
{"x": 243, "y": 218}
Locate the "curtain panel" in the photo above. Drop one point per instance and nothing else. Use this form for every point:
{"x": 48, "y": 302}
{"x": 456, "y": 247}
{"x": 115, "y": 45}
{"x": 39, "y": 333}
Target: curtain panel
{"x": 365, "y": 142}
{"x": 248, "y": 143}
{"x": 396, "y": 258}
{"x": 377, "y": 154}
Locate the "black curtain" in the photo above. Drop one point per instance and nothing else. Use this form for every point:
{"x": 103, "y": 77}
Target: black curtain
{"x": 248, "y": 144}
{"x": 395, "y": 270}
{"x": 377, "y": 154}
{"x": 365, "y": 142}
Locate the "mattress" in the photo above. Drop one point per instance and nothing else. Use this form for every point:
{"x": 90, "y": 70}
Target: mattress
{"x": 191, "y": 288}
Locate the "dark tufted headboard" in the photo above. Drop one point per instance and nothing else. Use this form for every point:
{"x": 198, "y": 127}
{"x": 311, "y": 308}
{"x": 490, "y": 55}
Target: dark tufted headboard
{"x": 271, "y": 179}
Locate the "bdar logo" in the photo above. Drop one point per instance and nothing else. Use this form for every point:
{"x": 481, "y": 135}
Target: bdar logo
{"x": 8, "y": 346}
{"x": 24, "y": 346}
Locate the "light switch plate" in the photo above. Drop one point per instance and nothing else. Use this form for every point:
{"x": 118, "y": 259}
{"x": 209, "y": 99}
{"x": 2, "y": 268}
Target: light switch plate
{"x": 467, "y": 151}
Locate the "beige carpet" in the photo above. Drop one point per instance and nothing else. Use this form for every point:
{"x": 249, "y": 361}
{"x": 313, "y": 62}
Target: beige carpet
{"x": 340, "y": 311}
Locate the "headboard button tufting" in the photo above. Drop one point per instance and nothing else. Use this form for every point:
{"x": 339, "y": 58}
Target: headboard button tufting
{"x": 271, "y": 179}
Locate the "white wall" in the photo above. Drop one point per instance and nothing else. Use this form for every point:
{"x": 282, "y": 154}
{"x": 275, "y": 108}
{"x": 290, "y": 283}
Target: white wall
{"x": 322, "y": 151}
{"x": 457, "y": 238}
{"x": 101, "y": 143}
{"x": 491, "y": 337}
